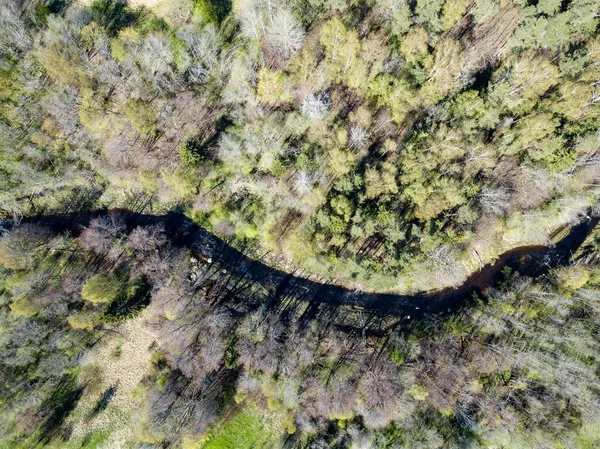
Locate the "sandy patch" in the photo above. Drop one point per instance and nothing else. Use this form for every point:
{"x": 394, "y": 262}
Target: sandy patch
{"x": 132, "y": 3}
{"x": 148, "y": 3}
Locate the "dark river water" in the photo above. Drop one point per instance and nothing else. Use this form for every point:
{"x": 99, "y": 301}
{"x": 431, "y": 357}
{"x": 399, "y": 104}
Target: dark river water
{"x": 287, "y": 287}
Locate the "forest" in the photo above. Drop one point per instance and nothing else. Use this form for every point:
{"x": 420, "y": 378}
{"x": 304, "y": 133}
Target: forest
{"x": 303, "y": 224}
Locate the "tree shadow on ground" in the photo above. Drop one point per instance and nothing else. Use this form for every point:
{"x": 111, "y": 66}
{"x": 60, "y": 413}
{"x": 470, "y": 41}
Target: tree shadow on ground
{"x": 103, "y": 401}
{"x": 59, "y": 405}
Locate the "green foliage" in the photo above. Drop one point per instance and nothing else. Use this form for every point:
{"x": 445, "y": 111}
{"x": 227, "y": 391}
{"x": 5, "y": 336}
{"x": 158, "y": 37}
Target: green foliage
{"x": 589, "y": 437}
{"x": 342, "y": 48}
{"x": 25, "y": 246}
{"x": 42, "y": 11}
{"x": 93, "y": 111}
{"x": 273, "y": 87}
{"x": 445, "y": 68}
{"x": 397, "y": 357}
{"x": 182, "y": 180}
{"x": 8, "y": 84}
{"x": 212, "y": 10}
{"x": 486, "y": 9}
{"x": 530, "y": 129}
{"x": 428, "y": 12}
{"x": 396, "y": 94}
{"x": 342, "y": 206}
{"x": 387, "y": 93}
{"x": 65, "y": 64}
{"x": 232, "y": 362}
{"x": 341, "y": 161}
{"x": 431, "y": 173}
{"x": 102, "y": 288}
{"x": 573, "y": 278}
{"x": 415, "y": 45}
{"x": 381, "y": 182}
{"x": 129, "y": 302}
{"x": 112, "y": 15}
{"x": 453, "y": 11}
{"x": 401, "y": 20}
{"x": 193, "y": 152}
{"x": 400, "y": 146}
{"x": 142, "y": 116}
{"x": 180, "y": 53}
{"x": 23, "y": 306}
{"x": 530, "y": 77}
{"x": 149, "y": 181}
{"x": 83, "y": 320}
{"x": 419, "y": 392}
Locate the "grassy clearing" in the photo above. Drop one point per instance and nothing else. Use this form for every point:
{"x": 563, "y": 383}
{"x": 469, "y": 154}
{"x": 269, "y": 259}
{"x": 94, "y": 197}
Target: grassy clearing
{"x": 248, "y": 429}
{"x": 108, "y": 412}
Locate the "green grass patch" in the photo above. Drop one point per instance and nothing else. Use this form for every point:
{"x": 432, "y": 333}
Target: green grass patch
{"x": 246, "y": 430}
{"x": 93, "y": 440}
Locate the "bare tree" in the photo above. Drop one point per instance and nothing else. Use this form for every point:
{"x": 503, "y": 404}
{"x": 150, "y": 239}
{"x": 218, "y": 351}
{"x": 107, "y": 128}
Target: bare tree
{"x": 495, "y": 200}
{"x": 13, "y": 34}
{"x": 303, "y": 183}
{"x": 259, "y": 346}
{"x": 203, "y": 46}
{"x": 118, "y": 151}
{"x": 358, "y": 137}
{"x": 101, "y": 233}
{"x": 285, "y": 34}
{"x": 147, "y": 239}
{"x": 316, "y": 107}
{"x": 20, "y": 247}
{"x": 379, "y": 389}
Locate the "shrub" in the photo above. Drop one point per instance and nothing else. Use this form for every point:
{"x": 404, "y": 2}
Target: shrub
{"x": 212, "y": 10}
{"x": 112, "y": 15}
{"x": 130, "y": 302}
{"x": 83, "y": 320}
{"x": 573, "y": 278}
{"x": 101, "y": 288}
{"x": 22, "y": 306}
{"x": 193, "y": 152}
{"x": 419, "y": 392}
{"x": 141, "y": 115}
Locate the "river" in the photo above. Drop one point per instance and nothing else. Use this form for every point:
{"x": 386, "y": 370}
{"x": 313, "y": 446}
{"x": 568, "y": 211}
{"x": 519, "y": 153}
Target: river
{"x": 287, "y": 288}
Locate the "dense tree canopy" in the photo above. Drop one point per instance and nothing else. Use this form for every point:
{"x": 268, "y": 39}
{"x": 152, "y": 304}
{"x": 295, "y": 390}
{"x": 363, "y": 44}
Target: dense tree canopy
{"x": 258, "y": 118}
{"x": 383, "y": 145}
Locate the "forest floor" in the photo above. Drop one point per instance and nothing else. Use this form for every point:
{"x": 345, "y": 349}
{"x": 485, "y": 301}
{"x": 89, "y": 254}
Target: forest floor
{"x": 110, "y": 403}
{"x": 133, "y": 3}
{"x": 148, "y": 3}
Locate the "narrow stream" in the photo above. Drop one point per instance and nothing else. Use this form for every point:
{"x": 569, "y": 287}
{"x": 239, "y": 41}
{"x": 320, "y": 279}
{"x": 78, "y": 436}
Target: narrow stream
{"x": 289, "y": 288}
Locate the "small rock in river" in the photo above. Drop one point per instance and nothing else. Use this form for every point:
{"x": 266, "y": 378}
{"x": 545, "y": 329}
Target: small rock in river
{"x": 224, "y": 271}
{"x": 209, "y": 260}
{"x": 193, "y": 260}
